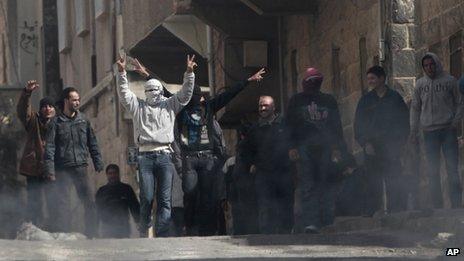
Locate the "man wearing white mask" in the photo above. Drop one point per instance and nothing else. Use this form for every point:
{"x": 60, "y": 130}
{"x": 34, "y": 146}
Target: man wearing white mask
{"x": 153, "y": 120}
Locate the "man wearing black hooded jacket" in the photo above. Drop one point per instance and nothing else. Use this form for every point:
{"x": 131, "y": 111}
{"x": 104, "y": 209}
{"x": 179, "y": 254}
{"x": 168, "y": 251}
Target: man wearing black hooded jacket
{"x": 202, "y": 152}
{"x": 316, "y": 143}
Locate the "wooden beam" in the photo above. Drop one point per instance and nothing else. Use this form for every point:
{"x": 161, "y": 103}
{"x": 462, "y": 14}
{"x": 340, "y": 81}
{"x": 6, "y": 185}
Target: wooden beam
{"x": 253, "y": 7}
{"x": 97, "y": 90}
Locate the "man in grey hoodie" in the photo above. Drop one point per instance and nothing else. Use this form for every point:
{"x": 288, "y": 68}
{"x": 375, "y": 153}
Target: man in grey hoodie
{"x": 436, "y": 109}
{"x": 153, "y": 133}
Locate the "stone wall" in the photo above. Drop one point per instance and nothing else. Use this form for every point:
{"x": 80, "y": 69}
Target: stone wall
{"x": 400, "y": 43}
{"x": 339, "y": 40}
{"x": 439, "y": 28}
{"x": 437, "y": 21}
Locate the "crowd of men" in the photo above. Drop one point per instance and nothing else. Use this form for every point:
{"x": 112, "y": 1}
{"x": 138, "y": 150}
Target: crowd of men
{"x": 290, "y": 173}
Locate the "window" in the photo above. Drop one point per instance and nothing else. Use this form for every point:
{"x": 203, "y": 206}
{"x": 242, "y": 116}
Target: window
{"x": 294, "y": 72}
{"x": 63, "y": 25}
{"x": 455, "y": 44}
{"x": 455, "y": 49}
{"x": 81, "y": 14}
{"x": 100, "y": 8}
{"x": 336, "y": 77}
{"x": 94, "y": 70}
{"x": 363, "y": 64}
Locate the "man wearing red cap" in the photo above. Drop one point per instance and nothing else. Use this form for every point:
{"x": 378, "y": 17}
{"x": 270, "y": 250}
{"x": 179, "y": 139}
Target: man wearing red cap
{"x": 316, "y": 143}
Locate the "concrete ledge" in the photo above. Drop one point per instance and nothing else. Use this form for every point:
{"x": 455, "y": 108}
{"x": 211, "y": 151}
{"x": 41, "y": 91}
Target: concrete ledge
{"x": 429, "y": 222}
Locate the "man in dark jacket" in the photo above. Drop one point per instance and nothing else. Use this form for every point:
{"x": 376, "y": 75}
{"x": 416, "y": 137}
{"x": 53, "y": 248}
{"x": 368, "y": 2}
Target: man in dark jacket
{"x": 381, "y": 127}
{"x": 266, "y": 149}
{"x": 316, "y": 142}
{"x": 69, "y": 140}
{"x": 114, "y": 201}
{"x": 31, "y": 164}
{"x": 203, "y": 151}
{"x": 241, "y": 189}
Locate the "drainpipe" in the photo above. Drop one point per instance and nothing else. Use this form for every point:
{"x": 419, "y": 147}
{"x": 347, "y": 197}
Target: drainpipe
{"x": 209, "y": 50}
{"x": 381, "y": 30}
{"x": 281, "y": 69}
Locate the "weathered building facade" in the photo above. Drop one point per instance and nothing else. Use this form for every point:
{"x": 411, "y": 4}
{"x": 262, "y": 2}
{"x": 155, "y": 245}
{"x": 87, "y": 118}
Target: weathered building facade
{"x": 232, "y": 39}
{"x": 341, "y": 38}
{"x": 28, "y": 50}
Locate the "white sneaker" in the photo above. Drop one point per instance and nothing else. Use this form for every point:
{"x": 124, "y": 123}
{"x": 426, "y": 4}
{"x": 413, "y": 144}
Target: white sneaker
{"x": 311, "y": 230}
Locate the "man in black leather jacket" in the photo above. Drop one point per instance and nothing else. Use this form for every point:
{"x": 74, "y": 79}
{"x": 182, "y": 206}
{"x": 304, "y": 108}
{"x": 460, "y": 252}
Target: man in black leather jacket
{"x": 69, "y": 140}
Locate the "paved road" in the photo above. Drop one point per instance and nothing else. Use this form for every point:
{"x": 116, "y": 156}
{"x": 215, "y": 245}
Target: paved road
{"x": 375, "y": 245}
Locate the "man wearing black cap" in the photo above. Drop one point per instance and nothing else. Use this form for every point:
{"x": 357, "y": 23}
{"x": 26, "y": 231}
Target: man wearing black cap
{"x": 200, "y": 139}
{"x": 31, "y": 164}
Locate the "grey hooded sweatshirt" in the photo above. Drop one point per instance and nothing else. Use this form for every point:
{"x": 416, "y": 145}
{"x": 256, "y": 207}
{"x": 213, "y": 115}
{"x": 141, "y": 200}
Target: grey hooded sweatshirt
{"x": 154, "y": 120}
{"x": 436, "y": 103}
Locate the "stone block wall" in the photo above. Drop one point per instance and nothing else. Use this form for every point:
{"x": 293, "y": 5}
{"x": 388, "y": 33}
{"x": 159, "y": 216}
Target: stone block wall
{"x": 335, "y": 40}
{"x": 437, "y": 22}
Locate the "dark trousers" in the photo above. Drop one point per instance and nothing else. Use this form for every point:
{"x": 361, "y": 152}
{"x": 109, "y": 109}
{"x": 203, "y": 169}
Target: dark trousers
{"x": 156, "y": 170}
{"x": 39, "y": 198}
{"x": 118, "y": 228}
{"x": 314, "y": 195}
{"x": 443, "y": 140}
{"x": 177, "y": 222}
{"x": 274, "y": 191}
{"x": 383, "y": 168}
{"x": 242, "y": 196}
{"x": 199, "y": 183}
{"x": 77, "y": 177}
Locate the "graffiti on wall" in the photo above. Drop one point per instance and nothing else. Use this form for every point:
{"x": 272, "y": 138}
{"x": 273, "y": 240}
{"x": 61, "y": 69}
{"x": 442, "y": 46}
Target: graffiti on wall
{"x": 28, "y": 37}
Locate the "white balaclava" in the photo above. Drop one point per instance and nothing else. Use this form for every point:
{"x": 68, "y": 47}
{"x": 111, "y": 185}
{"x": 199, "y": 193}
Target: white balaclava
{"x": 153, "y": 91}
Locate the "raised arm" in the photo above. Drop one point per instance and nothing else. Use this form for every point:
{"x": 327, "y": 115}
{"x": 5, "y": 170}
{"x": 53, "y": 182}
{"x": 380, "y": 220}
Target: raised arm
{"x": 24, "y": 108}
{"x": 127, "y": 98}
{"x": 182, "y": 97}
{"x": 224, "y": 98}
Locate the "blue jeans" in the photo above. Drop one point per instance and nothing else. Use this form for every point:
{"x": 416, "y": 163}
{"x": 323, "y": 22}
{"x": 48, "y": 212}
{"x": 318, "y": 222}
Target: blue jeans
{"x": 199, "y": 183}
{"x": 314, "y": 195}
{"x": 156, "y": 170}
{"x": 444, "y": 140}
